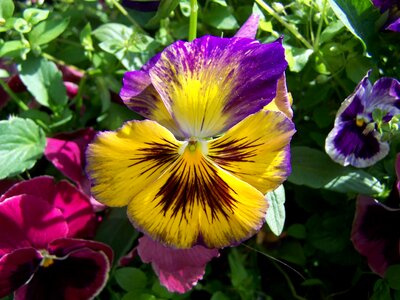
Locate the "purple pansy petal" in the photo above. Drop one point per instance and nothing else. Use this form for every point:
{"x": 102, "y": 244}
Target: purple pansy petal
{"x": 249, "y": 28}
{"x": 212, "y": 83}
{"x": 67, "y": 153}
{"x": 384, "y": 4}
{"x": 178, "y": 269}
{"x": 385, "y": 95}
{"x": 348, "y": 145}
{"x": 375, "y": 233}
{"x": 30, "y": 222}
{"x": 79, "y": 276}
{"x": 394, "y": 25}
{"x": 16, "y": 268}
{"x": 74, "y": 204}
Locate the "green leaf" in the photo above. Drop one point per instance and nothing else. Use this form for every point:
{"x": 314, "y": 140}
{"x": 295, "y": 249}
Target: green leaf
{"x": 297, "y": 231}
{"x": 35, "y": 15}
{"x": 331, "y": 31}
{"x": 44, "y": 81}
{"x": 392, "y": 276}
{"x": 48, "y": 30}
{"x": 315, "y": 169}
{"x": 297, "y": 58}
{"x": 359, "y": 16}
{"x": 381, "y": 291}
{"x": 219, "y": 296}
{"x": 113, "y": 32}
{"x": 117, "y": 231}
{"x": 275, "y": 217}
{"x": 221, "y": 18}
{"x": 238, "y": 271}
{"x": 131, "y": 279}
{"x": 163, "y": 11}
{"x": 22, "y": 25}
{"x": 136, "y": 296}
{"x": 12, "y": 49}
{"x": 6, "y": 9}
{"x": 22, "y": 144}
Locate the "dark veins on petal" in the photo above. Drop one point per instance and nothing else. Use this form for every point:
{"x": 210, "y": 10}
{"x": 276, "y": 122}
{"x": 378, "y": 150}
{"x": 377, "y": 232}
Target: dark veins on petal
{"x": 156, "y": 156}
{"x": 237, "y": 150}
{"x": 191, "y": 183}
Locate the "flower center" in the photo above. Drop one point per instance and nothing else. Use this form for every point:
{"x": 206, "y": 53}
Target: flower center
{"x": 194, "y": 145}
{"x": 47, "y": 260}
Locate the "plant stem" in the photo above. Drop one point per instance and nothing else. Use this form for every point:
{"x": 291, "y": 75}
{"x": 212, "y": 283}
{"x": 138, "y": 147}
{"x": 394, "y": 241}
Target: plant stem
{"x": 123, "y": 11}
{"x": 321, "y": 20}
{"x": 288, "y": 26}
{"x": 193, "y": 20}
{"x": 13, "y": 96}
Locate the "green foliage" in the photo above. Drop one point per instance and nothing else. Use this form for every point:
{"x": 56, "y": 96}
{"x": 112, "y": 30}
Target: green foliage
{"x": 22, "y": 144}
{"x": 275, "y": 217}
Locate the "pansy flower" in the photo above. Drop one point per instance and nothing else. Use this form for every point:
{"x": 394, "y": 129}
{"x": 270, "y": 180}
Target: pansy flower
{"x": 375, "y": 233}
{"x": 354, "y": 140}
{"x": 196, "y": 171}
{"x": 41, "y": 253}
{"x": 393, "y": 9}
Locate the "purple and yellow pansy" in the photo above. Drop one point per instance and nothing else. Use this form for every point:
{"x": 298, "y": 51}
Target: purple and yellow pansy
{"x": 197, "y": 169}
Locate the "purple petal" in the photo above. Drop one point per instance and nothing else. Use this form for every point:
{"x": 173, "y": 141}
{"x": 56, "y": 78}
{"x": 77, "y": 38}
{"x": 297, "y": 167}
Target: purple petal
{"x": 178, "y": 269}
{"x": 67, "y": 153}
{"x": 226, "y": 78}
{"x": 80, "y": 275}
{"x": 16, "y": 268}
{"x": 249, "y": 28}
{"x": 349, "y": 144}
{"x": 385, "y": 95}
{"x": 394, "y": 25}
{"x": 30, "y": 222}
{"x": 70, "y": 74}
{"x": 375, "y": 233}
{"x": 397, "y": 167}
{"x": 74, "y": 204}
{"x": 71, "y": 88}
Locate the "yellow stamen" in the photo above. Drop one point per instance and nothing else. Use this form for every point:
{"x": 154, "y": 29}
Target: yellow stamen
{"x": 47, "y": 261}
{"x": 360, "y": 122}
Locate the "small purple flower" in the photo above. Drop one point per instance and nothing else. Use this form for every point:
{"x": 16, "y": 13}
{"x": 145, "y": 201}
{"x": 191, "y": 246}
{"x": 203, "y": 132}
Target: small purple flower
{"x": 41, "y": 255}
{"x": 354, "y": 140}
{"x": 393, "y": 8}
{"x": 375, "y": 233}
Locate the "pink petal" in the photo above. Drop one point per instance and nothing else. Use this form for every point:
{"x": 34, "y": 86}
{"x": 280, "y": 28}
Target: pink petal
{"x": 72, "y": 89}
{"x": 16, "y": 268}
{"x": 249, "y": 28}
{"x": 75, "y": 205}
{"x": 178, "y": 269}
{"x": 28, "y": 221}
{"x": 70, "y": 74}
{"x": 66, "y": 152}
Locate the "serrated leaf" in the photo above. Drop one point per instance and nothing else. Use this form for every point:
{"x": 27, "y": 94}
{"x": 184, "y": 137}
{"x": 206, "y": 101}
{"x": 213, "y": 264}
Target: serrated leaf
{"x": 131, "y": 279}
{"x": 6, "y": 9}
{"x": 315, "y": 169}
{"x": 22, "y": 144}
{"x": 275, "y": 216}
{"x": 44, "y": 81}
{"x": 47, "y": 31}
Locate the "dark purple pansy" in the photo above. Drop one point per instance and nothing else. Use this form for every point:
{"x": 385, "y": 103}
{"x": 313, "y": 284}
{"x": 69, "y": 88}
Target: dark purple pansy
{"x": 178, "y": 269}
{"x": 40, "y": 258}
{"x": 393, "y": 8}
{"x": 143, "y": 5}
{"x": 354, "y": 139}
{"x": 375, "y": 233}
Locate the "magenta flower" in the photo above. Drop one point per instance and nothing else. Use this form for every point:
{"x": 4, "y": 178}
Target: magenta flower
{"x": 66, "y": 151}
{"x": 40, "y": 255}
{"x": 354, "y": 140}
{"x": 375, "y": 233}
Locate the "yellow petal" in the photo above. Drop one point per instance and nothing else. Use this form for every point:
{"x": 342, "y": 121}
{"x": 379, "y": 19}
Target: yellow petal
{"x": 256, "y": 150}
{"x": 196, "y": 201}
{"x": 122, "y": 163}
{"x": 283, "y": 99}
